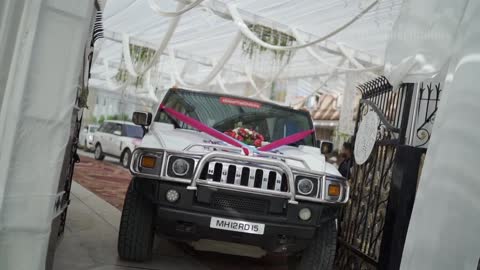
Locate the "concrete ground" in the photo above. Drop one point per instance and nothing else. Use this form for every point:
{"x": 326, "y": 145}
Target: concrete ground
{"x": 90, "y": 240}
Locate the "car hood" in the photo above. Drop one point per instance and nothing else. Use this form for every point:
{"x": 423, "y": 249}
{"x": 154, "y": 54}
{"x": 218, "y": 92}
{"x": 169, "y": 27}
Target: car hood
{"x": 166, "y": 136}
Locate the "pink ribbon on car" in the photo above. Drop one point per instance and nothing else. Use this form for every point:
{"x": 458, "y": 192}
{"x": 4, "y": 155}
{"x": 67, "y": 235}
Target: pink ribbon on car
{"x": 225, "y": 138}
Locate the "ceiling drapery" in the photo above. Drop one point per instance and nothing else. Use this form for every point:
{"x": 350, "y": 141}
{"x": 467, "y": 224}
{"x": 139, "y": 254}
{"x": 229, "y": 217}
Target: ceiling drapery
{"x": 202, "y": 37}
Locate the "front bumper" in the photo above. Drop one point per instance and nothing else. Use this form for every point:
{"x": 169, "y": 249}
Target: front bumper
{"x": 90, "y": 145}
{"x": 189, "y": 218}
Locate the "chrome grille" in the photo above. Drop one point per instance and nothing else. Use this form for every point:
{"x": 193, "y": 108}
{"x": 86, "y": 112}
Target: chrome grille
{"x": 248, "y": 176}
{"x": 240, "y": 204}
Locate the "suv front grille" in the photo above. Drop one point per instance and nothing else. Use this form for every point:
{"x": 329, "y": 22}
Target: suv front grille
{"x": 240, "y": 204}
{"x": 248, "y": 176}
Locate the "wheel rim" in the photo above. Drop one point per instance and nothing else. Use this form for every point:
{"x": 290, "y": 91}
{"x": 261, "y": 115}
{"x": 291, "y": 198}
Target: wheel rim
{"x": 126, "y": 156}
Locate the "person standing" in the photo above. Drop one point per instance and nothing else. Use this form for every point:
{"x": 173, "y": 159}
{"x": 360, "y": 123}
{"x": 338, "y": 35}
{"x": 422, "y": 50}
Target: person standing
{"x": 346, "y": 155}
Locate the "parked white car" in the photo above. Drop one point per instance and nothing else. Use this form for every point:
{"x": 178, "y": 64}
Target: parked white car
{"x": 117, "y": 139}
{"x": 86, "y": 137}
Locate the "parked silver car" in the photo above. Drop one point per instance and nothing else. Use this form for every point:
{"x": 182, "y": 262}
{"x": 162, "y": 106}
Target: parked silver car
{"x": 86, "y": 137}
{"x": 117, "y": 139}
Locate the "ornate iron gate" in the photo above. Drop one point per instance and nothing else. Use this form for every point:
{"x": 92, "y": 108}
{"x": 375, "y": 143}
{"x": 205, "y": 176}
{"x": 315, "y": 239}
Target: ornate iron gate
{"x": 364, "y": 220}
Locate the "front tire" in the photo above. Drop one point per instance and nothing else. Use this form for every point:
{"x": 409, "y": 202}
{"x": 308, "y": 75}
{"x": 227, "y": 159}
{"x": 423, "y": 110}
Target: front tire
{"x": 135, "y": 236}
{"x": 320, "y": 254}
{"x": 125, "y": 158}
{"x": 99, "y": 155}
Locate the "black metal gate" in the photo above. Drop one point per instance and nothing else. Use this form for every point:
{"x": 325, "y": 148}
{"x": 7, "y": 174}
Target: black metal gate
{"x": 366, "y": 225}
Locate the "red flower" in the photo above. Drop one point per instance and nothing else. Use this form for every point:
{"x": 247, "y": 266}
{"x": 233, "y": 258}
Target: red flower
{"x": 259, "y": 137}
{"x": 242, "y": 132}
{"x": 240, "y": 138}
{"x": 258, "y": 143}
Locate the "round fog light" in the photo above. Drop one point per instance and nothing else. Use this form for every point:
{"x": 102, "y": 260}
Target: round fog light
{"x": 305, "y": 214}
{"x": 172, "y": 195}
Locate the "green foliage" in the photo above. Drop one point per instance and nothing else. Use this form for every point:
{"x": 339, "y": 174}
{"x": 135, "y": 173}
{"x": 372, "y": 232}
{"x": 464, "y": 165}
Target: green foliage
{"x": 270, "y": 36}
{"x": 122, "y": 75}
{"x": 124, "y": 117}
{"x": 140, "y": 57}
{"x": 93, "y": 119}
{"x": 83, "y": 97}
{"x": 112, "y": 117}
{"x": 121, "y": 117}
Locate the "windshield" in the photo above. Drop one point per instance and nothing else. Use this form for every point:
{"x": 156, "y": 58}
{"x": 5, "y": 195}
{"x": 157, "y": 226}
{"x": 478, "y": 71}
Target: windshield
{"x": 133, "y": 131}
{"x": 224, "y": 113}
{"x": 92, "y": 129}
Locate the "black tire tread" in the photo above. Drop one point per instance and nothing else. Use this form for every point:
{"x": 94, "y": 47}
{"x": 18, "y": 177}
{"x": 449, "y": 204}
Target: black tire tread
{"x": 320, "y": 254}
{"x": 123, "y": 155}
{"x": 102, "y": 155}
{"x": 135, "y": 237}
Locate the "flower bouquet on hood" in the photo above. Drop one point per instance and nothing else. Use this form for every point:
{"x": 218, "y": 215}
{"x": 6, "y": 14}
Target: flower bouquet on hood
{"x": 247, "y": 136}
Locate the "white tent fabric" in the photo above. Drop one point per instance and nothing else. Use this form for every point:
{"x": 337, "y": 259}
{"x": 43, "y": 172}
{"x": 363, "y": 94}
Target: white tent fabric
{"x": 422, "y": 40}
{"x": 206, "y": 30}
{"x": 430, "y": 37}
{"x": 41, "y": 83}
{"x": 155, "y": 7}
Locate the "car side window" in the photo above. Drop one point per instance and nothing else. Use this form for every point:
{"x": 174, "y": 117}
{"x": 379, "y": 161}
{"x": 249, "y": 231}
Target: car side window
{"x": 117, "y": 127}
{"x": 107, "y": 128}
{"x": 101, "y": 128}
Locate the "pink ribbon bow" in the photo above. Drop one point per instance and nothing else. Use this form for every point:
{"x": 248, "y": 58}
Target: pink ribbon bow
{"x": 223, "y": 137}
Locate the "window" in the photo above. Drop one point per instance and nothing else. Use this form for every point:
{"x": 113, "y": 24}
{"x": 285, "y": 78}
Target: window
{"x": 117, "y": 128}
{"x": 133, "y": 131}
{"x": 102, "y": 128}
{"x": 223, "y": 113}
{"x": 108, "y": 127}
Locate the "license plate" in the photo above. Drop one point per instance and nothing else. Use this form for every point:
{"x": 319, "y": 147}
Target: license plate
{"x": 237, "y": 225}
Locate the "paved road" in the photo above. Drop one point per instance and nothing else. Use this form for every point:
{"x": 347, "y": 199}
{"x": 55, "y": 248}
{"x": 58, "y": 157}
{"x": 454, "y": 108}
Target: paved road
{"x": 109, "y": 181}
{"x": 90, "y": 240}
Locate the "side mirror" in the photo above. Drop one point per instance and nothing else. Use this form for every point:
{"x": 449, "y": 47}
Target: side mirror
{"x": 142, "y": 118}
{"x": 117, "y": 132}
{"x": 326, "y": 147}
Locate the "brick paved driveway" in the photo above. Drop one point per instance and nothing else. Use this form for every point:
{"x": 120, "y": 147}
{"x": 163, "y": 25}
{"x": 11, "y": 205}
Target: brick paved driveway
{"x": 106, "y": 179}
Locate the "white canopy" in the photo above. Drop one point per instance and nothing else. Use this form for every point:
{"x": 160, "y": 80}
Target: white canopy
{"x": 204, "y": 34}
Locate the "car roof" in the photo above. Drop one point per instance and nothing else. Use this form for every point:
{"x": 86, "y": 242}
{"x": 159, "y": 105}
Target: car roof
{"x": 119, "y": 122}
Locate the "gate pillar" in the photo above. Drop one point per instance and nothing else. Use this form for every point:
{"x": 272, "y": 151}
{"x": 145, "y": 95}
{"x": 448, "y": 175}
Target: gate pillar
{"x": 402, "y": 196}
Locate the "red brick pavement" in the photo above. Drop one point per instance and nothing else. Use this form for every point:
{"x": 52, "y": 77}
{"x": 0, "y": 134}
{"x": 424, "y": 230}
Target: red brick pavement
{"x": 110, "y": 181}
{"x": 107, "y": 180}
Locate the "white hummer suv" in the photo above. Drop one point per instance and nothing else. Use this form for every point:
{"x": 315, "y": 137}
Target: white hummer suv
{"x": 188, "y": 185}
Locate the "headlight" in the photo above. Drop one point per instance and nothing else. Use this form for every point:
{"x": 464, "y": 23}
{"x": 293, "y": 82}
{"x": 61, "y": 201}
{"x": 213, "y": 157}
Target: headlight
{"x": 305, "y": 186}
{"x": 180, "y": 167}
{"x": 90, "y": 137}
